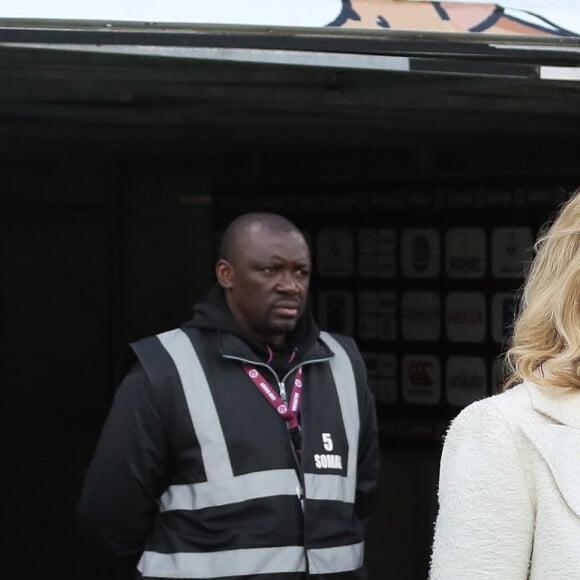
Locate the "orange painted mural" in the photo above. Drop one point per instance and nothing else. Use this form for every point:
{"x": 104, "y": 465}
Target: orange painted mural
{"x": 556, "y": 18}
{"x": 459, "y": 17}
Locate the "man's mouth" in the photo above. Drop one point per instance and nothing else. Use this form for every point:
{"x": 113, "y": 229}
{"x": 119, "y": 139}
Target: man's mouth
{"x": 287, "y": 310}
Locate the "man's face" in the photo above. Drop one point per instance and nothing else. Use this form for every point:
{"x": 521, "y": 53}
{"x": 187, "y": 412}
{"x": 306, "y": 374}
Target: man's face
{"x": 267, "y": 282}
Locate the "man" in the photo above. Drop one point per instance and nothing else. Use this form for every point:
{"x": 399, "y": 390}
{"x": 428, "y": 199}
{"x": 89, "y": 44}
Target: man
{"x": 244, "y": 444}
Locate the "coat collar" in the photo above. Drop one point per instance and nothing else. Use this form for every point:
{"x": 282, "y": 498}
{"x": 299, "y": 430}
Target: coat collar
{"x": 562, "y": 404}
{"x": 558, "y": 442}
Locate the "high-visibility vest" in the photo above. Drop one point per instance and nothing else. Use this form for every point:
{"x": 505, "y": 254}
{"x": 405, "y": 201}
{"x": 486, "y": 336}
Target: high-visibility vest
{"x": 213, "y": 528}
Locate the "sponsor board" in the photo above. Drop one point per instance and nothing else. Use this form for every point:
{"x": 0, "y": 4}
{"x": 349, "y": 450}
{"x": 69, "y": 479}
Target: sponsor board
{"x": 465, "y": 317}
{"x": 465, "y": 380}
{"x": 376, "y": 253}
{"x": 387, "y": 315}
{"x": 420, "y": 253}
{"x": 377, "y": 315}
{"x": 503, "y": 312}
{"x": 335, "y": 311}
{"x": 387, "y": 377}
{"x": 334, "y": 253}
{"x": 367, "y": 319}
{"x": 510, "y": 249}
{"x": 421, "y": 316}
{"x": 421, "y": 379}
{"x": 465, "y": 252}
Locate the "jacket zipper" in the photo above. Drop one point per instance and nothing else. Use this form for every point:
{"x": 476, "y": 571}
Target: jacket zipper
{"x": 300, "y": 491}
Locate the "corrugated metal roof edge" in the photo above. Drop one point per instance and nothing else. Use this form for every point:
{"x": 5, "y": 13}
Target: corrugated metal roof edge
{"x": 427, "y": 52}
{"x": 245, "y": 36}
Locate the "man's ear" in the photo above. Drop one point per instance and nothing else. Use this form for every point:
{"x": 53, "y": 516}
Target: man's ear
{"x": 224, "y": 273}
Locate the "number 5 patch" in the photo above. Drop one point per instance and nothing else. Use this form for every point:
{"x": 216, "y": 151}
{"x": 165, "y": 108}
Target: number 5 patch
{"x": 327, "y": 441}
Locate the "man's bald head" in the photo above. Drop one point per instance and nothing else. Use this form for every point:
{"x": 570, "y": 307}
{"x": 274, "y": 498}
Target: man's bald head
{"x": 241, "y": 226}
{"x": 264, "y": 269}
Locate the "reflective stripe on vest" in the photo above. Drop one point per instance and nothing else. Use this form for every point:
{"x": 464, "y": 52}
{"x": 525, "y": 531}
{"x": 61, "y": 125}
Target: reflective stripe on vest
{"x": 243, "y": 562}
{"x": 336, "y": 560}
{"x": 223, "y": 487}
{"x": 337, "y": 487}
{"x": 201, "y": 406}
{"x": 252, "y": 561}
{"x": 243, "y": 487}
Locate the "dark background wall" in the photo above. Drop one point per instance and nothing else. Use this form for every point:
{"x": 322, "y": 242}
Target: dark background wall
{"x": 95, "y": 254}
{"x": 114, "y": 170}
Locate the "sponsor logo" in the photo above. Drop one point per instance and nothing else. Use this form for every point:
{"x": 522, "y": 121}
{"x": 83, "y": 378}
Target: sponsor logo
{"x": 420, "y": 373}
{"x": 420, "y": 253}
{"x": 510, "y": 249}
{"x": 466, "y": 316}
{"x": 461, "y": 316}
{"x": 420, "y": 316}
{"x": 463, "y": 265}
{"x": 253, "y": 373}
{"x": 466, "y": 379}
{"x": 465, "y": 252}
{"x": 282, "y": 408}
{"x": 421, "y": 380}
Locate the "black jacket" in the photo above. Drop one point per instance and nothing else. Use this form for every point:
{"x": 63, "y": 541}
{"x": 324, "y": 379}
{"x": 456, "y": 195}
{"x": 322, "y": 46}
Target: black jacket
{"x": 150, "y": 452}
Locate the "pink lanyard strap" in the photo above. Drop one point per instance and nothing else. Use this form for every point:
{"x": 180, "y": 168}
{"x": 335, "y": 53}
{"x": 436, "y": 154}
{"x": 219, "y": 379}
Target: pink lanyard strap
{"x": 288, "y": 413}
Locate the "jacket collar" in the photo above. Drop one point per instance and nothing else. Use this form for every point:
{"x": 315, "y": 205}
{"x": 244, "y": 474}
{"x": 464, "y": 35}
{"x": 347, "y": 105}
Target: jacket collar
{"x": 562, "y": 404}
{"x": 233, "y": 346}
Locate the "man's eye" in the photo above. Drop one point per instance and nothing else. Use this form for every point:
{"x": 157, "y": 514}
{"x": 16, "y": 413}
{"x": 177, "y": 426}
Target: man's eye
{"x": 303, "y": 273}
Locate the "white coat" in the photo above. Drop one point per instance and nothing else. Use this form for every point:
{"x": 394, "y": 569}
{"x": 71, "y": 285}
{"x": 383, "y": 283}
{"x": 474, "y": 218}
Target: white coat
{"x": 509, "y": 489}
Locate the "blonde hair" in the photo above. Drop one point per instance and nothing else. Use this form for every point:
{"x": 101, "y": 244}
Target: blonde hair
{"x": 545, "y": 346}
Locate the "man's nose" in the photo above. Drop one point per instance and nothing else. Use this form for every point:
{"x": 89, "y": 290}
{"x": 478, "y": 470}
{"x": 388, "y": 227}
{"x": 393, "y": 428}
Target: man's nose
{"x": 288, "y": 283}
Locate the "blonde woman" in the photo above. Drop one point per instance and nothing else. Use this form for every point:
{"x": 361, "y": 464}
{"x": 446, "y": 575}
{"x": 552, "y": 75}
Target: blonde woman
{"x": 509, "y": 487}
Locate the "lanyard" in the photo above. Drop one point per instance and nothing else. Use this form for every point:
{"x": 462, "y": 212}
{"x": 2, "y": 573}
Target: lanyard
{"x": 288, "y": 412}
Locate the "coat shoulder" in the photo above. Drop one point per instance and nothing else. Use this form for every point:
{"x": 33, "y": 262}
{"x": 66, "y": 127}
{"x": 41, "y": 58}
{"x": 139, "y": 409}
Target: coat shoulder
{"x": 509, "y": 407}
